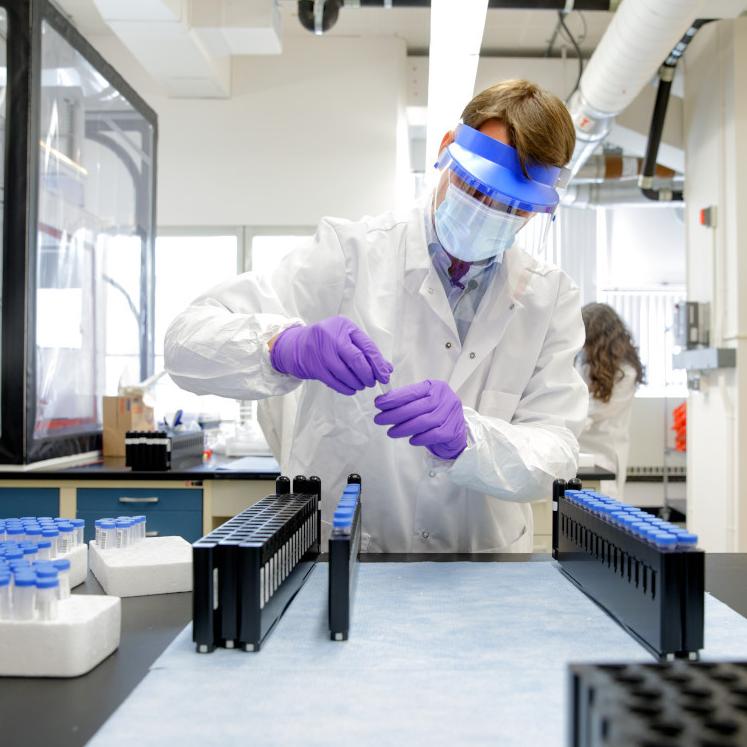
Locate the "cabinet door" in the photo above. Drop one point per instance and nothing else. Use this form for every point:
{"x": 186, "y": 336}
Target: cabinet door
{"x": 167, "y": 511}
{"x": 15, "y": 502}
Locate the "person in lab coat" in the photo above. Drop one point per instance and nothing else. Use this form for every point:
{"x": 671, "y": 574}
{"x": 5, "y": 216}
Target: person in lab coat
{"x": 475, "y": 337}
{"x": 611, "y": 368}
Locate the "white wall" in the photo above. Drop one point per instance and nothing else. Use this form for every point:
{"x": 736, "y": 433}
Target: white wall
{"x": 645, "y": 246}
{"x": 314, "y": 131}
{"x": 716, "y": 151}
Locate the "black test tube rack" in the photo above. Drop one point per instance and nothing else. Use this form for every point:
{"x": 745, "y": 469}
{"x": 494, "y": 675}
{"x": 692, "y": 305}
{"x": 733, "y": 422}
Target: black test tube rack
{"x": 678, "y": 704}
{"x": 657, "y": 595}
{"x": 153, "y": 451}
{"x": 344, "y": 549}
{"x": 247, "y": 571}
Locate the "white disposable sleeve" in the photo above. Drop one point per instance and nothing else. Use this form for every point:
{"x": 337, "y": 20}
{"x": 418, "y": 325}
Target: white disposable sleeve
{"x": 518, "y": 461}
{"x": 219, "y": 344}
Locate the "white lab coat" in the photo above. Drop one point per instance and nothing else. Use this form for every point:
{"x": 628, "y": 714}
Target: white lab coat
{"x": 524, "y": 401}
{"x": 606, "y": 432}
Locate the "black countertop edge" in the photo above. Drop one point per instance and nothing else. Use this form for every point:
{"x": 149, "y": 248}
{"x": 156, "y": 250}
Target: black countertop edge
{"x": 85, "y": 474}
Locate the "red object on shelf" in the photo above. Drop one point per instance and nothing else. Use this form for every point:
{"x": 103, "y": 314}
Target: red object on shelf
{"x": 679, "y": 418}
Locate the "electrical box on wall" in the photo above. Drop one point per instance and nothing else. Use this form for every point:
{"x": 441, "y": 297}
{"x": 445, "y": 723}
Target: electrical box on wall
{"x": 691, "y": 324}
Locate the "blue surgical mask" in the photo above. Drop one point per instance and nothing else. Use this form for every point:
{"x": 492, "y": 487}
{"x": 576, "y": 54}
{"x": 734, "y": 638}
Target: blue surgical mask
{"x": 471, "y": 231}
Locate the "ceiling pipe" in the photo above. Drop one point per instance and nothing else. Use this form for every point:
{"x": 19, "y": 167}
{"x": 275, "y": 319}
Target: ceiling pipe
{"x": 611, "y": 167}
{"x": 319, "y": 16}
{"x": 608, "y": 194}
{"x": 642, "y": 33}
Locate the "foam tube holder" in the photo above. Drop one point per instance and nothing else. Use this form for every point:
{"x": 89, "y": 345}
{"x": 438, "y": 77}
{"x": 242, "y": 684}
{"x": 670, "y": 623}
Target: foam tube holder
{"x": 85, "y": 632}
{"x": 78, "y": 558}
{"x": 155, "y": 565}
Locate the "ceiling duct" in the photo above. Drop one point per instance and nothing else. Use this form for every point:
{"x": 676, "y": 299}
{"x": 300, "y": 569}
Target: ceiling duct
{"x": 641, "y": 34}
{"x": 319, "y": 16}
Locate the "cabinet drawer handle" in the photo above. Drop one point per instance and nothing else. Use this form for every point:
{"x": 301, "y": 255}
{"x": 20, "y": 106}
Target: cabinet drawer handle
{"x": 154, "y": 499}
{"x": 151, "y": 534}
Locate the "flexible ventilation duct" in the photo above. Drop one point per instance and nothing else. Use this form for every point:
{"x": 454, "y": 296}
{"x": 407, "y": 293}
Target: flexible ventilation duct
{"x": 641, "y": 34}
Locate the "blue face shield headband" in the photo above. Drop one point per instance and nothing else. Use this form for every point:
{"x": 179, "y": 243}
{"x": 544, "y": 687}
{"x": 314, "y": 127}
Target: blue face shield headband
{"x": 489, "y": 198}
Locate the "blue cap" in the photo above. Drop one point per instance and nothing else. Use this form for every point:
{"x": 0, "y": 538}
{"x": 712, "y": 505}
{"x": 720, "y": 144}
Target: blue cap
{"x": 123, "y": 523}
{"x": 50, "y": 533}
{"x": 25, "y": 579}
{"x": 14, "y": 530}
{"x": 33, "y": 531}
{"x": 44, "y": 518}
{"x": 65, "y": 527}
{"x": 27, "y": 518}
{"x": 107, "y": 524}
{"x": 19, "y": 563}
{"x": 46, "y": 569}
{"x": 495, "y": 168}
{"x": 62, "y": 564}
{"x": 340, "y": 522}
{"x": 685, "y": 538}
{"x": 44, "y": 544}
{"x": 47, "y": 582}
{"x": 4, "y": 579}
{"x": 78, "y": 522}
{"x": 664, "y": 539}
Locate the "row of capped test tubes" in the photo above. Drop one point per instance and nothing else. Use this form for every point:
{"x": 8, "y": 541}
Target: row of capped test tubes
{"x": 31, "y": 591}
{"x": 52, "y": 537}
{"x": 120, "y": 532}
{"x": 279, "y": 566}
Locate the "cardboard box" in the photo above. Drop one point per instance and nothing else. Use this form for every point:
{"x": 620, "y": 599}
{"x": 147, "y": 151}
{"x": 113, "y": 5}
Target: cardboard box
{"x": 122, "y": 414}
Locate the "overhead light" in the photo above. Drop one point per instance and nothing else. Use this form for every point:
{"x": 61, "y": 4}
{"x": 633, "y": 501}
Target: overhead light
{"x": 456, "y": 37}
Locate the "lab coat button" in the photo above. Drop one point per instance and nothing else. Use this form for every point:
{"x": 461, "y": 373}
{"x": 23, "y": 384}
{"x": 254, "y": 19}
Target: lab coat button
{"x": 448, "y": 345}
{"x": 425, "y": 535}
{"x": 432, "y": 473}
{"x": 471, "y": 355}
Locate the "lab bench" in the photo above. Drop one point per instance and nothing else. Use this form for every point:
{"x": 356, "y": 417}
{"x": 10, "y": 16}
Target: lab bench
{"x": 75, "y": 709}
{"x": 187, "y": 502}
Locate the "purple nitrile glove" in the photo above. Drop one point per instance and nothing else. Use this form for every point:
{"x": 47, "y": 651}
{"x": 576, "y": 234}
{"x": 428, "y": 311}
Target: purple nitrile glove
{"x": 334, "y": 351}
{"x": 430, "y": 413}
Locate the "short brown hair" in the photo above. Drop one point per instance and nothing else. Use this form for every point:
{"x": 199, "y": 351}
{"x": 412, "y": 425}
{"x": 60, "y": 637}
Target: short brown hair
{"x": 538, "y": 122}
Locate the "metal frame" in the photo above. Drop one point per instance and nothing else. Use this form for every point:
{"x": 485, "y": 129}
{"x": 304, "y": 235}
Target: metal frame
{"x": 18, "y": 384}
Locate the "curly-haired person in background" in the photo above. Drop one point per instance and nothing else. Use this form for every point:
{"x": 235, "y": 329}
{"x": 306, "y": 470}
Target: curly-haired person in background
{"x": 611, "y": 368}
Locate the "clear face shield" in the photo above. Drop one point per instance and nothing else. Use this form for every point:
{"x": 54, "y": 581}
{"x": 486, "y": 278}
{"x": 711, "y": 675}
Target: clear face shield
{"x": 485, "y": 203}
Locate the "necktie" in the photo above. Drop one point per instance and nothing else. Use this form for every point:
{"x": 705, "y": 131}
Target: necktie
{"x": 457, "y": 271}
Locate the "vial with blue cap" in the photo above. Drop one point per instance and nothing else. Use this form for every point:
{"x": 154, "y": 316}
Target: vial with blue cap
{"x": 63, "y": 574}
{"x": 46, "y": 596}
{"x": 80, "y": 526}
{"x": 106, "y": 534}
{"x": 24, "y": 595}
{"x": 6, "y": 604}
{"x": 66, "y": 540}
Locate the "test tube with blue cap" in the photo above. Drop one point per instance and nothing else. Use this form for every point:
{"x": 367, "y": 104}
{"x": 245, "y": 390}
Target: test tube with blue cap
{"x": 6, "y": 606}
{"x": 79, "y": 525}
{"x": 24, "y": 595}
{"x": 63, "y": 574}
{"x": 46, "y": 596}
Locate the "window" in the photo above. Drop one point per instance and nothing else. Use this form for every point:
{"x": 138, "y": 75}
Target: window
{"x": 188, "y": 265}
{"x": 641, "y": 274}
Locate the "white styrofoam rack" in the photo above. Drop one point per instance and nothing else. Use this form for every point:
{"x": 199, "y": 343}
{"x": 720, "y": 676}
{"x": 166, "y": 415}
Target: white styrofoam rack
{"x": 86, "y": 631}
{"x": 155, "y": 565}
{"x": 78, "y": 558}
